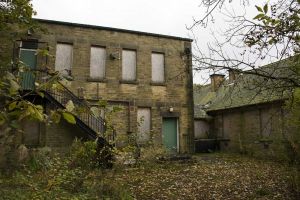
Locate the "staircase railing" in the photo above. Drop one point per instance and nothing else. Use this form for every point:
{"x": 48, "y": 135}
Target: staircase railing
{"x": 62, "y": 95}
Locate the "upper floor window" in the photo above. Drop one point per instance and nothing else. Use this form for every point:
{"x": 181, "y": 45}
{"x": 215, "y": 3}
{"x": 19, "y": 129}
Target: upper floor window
{"x": 64, "y": 58}
{"x": 129, "y": 65}
{"x": 158, "y": 67}
{"x": 97, "y": 62}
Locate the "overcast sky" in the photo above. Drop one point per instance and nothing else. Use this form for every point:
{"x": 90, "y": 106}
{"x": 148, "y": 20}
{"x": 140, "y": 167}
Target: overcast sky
{"x": 158, "y": 16}
{"x": 168, "y": 17}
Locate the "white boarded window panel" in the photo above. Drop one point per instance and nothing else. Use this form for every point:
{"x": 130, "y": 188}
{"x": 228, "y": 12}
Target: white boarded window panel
{"x": 63, "y": 58}
{"x": 144, "y": 121}
{"x": 97, "y": 62}
{"x": 128, "y": 65}
{"x": 158, "y": 71}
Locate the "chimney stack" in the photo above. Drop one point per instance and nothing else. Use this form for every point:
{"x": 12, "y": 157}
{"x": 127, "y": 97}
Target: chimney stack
{"x": 216, "y": 81}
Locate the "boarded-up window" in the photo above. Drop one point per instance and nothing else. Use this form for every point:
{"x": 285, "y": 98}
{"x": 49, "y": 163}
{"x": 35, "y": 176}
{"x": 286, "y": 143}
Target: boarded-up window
{"x": 64, "y": 57}
{"x": 128, "y": 65}
{"x": 144, "y": 125}
{"x": 158, "y": 70}
{"x": 97, "y": 62}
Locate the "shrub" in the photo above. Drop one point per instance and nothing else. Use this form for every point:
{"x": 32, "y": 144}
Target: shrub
{"x": 92, "y": 154}
{"x": 40, "y": 159}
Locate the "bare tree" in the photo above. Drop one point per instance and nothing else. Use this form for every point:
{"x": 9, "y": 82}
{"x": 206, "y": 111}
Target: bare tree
{"x": 272, "y": 34}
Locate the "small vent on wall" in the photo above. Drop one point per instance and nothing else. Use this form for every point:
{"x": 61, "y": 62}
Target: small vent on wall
{"x": 114, "y": 56}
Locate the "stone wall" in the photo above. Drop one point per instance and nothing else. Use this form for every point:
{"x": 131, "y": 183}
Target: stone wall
{"x": 176, "y": 92}
{"x": 202, "y": 129}
{"x": 256, "y": 130}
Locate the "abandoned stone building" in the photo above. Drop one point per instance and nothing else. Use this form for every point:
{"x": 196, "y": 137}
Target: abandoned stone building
{"x": 243, "y": 113}
{"x": 149, "y": 76}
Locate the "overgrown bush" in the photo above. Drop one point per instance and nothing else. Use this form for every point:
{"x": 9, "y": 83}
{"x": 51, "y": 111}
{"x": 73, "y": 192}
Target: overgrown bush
{"x": 152, "y": 153}
{"x": 92, "y": 154}
{"x": 40, "y": 159}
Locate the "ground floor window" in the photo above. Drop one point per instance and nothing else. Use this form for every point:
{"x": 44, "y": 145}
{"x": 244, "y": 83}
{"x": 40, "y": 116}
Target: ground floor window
{"x": 144, "y": 125}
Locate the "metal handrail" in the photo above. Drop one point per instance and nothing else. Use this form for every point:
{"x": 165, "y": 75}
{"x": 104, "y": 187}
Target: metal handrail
{"x": 62, "y": 94}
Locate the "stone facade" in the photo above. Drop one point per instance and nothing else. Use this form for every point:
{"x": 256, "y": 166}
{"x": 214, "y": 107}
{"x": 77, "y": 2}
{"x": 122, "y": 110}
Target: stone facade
{"x": 175, "y": 92}
{"x": 240, "y": 118}
{"x": 257, "y": 130}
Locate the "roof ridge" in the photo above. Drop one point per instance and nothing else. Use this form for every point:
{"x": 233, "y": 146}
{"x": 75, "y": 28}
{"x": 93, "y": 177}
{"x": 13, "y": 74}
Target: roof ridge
{"x": 111, "y": 29}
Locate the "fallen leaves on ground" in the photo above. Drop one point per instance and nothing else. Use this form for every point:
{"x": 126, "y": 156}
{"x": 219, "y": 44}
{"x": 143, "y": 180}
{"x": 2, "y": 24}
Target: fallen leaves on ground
{"x": 206, "y": 176}
{"x": 209, "y": 178}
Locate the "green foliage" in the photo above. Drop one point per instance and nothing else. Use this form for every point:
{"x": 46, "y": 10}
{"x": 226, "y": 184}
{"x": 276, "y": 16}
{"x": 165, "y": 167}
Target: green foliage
{"x": 168, "y": 180}
{"x": 279, "y": 26}
{"x": 91, "y": 154}
{"x": 83, "y": 153}
{"x": 17, "y": 12}
{"x": 69, "y": 117}
{"x": 17, "y": 108}
{"x": 40, "y": 160}
{"x": 60, "y": 180}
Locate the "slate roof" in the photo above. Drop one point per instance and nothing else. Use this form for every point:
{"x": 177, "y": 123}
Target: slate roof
{"x": 247, "y": 89}
{"x": 203, "y": 96}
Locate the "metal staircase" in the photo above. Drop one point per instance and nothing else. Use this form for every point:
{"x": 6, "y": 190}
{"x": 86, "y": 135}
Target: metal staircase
{"x": 93, "y": 125}
{"x": 25, "y": 52}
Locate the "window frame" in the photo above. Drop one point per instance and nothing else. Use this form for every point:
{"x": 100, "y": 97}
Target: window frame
{"x": 150, "y": 125}
{"x": 162, "y": 83}
{"x": 72, "y": 56}
{"x": 98, "y": 79}
{"x": 122, "y": 80}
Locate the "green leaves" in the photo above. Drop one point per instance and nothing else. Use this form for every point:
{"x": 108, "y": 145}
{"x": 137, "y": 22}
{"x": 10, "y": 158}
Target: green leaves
{"x": 55, "y": 116}
{"x": 12, "y": 106}
{"x": 264, "y": 9}
{"x": 275, "y": 25}
{"x": 69, "y": 117}
{"x": 2, "y": 120}
{"x": 259, "y": 16}
{"x": 16, "y": 12}
{"x": 259, "y": 8}
{"x": 26, "y": 109}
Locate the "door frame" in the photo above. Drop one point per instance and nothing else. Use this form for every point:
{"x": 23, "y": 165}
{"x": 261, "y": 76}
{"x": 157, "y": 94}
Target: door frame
{"x": 33, "y": 69}
{"x": 177, "y": 130}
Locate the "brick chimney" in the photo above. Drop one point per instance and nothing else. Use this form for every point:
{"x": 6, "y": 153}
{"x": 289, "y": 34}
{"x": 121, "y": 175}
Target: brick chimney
{"x": 233, "y": 73}
{"x": 216, "y": 80}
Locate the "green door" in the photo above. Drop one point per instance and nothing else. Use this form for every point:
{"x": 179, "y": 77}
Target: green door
{"x": 169, "y": 134}
{"x": 28, "y": 58}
